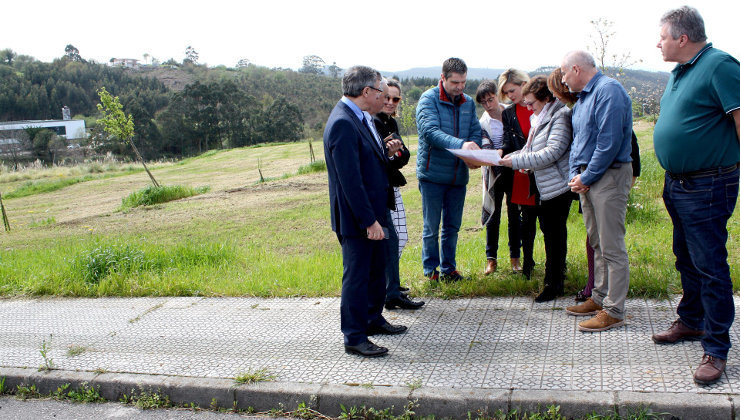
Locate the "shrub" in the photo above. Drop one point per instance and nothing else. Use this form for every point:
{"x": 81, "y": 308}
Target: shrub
{"x": 154, "y": 195}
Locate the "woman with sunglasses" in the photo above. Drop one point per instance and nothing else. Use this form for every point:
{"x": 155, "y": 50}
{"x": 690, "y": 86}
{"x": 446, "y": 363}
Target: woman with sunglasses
{"x": 546, "y": 154}
{"x": 387, "y": 128}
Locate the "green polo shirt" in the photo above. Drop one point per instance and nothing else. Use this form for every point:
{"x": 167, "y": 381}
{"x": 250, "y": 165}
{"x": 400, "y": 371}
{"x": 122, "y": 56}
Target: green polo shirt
{"x": 695, "y": 129}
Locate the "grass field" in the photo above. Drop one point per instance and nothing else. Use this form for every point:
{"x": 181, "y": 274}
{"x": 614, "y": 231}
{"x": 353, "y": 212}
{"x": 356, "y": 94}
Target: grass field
{"x": 273, "y": 238}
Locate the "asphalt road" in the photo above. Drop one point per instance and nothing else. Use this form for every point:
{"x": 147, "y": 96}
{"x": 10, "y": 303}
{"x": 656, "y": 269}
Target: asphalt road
{"x": 42, "y": 409}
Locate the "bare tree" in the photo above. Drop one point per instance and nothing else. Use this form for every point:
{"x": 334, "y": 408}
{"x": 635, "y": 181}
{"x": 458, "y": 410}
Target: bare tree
{"x": 601, "y": 37}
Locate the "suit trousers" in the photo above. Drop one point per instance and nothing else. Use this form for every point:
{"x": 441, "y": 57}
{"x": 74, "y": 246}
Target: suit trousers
{"x": 604, "y": 209}
{"x": 363, "y": 287}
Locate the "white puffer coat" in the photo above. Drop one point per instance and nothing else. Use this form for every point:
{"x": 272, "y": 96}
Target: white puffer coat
{"x": 549, "y": 153}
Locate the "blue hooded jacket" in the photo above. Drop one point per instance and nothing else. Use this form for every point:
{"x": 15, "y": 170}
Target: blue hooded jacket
{"x": 444, "y": 125}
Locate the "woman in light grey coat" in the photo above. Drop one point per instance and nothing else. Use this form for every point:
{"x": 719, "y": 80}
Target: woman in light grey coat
{"x": 546, "y": 153}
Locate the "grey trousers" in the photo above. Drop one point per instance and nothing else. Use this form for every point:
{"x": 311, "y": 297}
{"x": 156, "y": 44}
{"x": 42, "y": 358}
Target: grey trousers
{"x": 604, "y": 209}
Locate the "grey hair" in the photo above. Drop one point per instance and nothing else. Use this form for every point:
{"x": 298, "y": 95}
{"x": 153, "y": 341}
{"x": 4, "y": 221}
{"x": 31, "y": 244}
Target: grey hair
{"x": 580, "y": 58}
{"x": 356, "y": 78}
{"x": 685, "y": 20}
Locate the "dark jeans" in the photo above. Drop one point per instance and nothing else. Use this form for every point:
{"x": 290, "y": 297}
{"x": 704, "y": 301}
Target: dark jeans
{"x": 440, "y": 203}
{"x": 503, "y": 186}
{"x": 553, "y": 215}
{"x": 700, "y": 208}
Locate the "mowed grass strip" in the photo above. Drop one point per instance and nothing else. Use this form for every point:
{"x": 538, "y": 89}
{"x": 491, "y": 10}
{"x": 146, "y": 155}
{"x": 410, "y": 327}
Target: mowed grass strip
{"x": 274, "y": 239}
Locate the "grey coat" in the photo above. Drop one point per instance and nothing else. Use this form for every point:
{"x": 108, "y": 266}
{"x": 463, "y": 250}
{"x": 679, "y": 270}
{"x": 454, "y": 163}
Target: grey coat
{"x": 549, "y": 153}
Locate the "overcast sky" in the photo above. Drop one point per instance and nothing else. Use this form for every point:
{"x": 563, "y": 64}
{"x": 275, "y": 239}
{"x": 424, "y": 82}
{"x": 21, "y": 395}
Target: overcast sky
{"x": 390, "y": 36}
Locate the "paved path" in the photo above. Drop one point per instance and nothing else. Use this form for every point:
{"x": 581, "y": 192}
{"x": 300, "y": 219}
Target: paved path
{"x": 490, "y": 347}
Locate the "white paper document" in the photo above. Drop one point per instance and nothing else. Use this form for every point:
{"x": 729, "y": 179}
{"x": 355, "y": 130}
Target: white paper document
{"x": 477, "y": 157}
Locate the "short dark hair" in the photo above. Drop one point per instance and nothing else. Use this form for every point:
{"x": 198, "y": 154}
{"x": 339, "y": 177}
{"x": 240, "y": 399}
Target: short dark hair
{"x": 356, "y": 78}
{"x": 485, "y": 88}
{"x": 537, "y": 86}
{"x": 685, "y": 20}
{"x": 454, "y": 65}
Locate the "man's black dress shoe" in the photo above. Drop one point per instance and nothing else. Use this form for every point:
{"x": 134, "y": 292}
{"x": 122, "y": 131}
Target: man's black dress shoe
{"x": 403, "y": 302}
{"x": 366, "y": 349}
{"x": 386, "y": 329}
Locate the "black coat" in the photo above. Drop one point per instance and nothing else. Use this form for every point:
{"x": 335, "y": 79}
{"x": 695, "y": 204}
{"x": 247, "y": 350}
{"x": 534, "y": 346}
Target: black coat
{"x": 387, "y": 125}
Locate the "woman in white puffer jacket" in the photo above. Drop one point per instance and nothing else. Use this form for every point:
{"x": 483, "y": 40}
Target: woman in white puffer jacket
{"x": 546, "y": 154}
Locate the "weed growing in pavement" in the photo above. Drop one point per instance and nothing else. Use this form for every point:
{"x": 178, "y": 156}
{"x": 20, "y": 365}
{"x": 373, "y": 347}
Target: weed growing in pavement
{"x": 2, "y": 385}
{"x": 370, "y": 413}
{"x": 414, "y": 384}
{"x": 73, "y": 351}
{"x": 146, "y": 399}
{"x": 253, "y": 376}
{"x": 25, "y": 392}
{"x": 82, "y": 394}
{"x": 44, "y": 350}
{"x": 552, "y": 412}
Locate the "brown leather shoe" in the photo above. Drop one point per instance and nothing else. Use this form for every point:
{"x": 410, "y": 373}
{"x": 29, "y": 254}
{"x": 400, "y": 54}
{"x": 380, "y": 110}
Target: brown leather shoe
{"x": 601, "y": 322}
{"x": 589, "y": 307}
{"x": 678, "y": 331}
{"x": 490, "y": 267}
{"x": 516, "y": 266}
{"x": 710, "y": 370}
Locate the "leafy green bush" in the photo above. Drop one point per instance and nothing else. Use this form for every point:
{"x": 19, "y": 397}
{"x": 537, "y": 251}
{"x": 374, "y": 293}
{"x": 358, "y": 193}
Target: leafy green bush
{"x": 154, "y": 195}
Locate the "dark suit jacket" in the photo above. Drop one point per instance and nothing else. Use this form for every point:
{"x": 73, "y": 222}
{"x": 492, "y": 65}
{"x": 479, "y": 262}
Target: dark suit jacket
{"x": 358, "y": 184}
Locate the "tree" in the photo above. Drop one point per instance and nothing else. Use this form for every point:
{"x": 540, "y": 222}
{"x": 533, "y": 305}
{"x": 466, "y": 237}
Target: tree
{"x": 312, "y": 64}
{"x": 601, "y": 37}
{"x": 244, "y": 62}
{"x": 7, "y": 56}
{"x": 146, "y": 58}
{"x": 191, "y": 56}
{"x": 118, "y": 124}
{"x": 72, "y": 53}
{"x": 334, "y": 70}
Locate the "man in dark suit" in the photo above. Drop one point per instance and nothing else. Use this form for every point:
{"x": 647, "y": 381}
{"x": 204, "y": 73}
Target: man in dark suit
{"x": 358, "y": 192}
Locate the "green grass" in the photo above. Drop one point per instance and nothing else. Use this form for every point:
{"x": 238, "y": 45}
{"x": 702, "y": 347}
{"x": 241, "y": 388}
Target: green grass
{"x": 274, "y": 238}
{"x": 152, "y": 195}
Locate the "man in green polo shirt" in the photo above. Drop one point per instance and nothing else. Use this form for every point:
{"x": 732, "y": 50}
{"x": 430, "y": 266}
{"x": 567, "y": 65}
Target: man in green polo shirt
{"x": 697, "y": 142}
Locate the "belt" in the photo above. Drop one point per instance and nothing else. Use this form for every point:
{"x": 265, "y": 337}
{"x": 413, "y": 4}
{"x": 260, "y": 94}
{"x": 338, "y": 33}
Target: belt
{"x": 614, "y": 165}
{"x": 720, "y": 170}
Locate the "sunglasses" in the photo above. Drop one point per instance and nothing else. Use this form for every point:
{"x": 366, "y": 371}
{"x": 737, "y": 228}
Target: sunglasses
{"x": 395, "y": 100}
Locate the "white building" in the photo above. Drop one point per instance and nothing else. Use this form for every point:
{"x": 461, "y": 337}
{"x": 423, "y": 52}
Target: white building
{"x": 130, "y": 63}
{"x": 71, "y": 129}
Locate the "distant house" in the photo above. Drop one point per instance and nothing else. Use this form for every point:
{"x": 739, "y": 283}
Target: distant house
{"x": 130, "y": 63}
{"x": 71, "y": 129}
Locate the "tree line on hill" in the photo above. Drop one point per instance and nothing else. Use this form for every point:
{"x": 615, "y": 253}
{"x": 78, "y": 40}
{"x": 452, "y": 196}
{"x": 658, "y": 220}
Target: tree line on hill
{"x": 211, "y": 107}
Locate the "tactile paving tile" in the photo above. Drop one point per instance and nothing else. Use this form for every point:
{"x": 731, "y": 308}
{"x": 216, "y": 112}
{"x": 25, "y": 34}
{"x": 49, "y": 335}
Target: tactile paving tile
{"x": 504, "y": 343}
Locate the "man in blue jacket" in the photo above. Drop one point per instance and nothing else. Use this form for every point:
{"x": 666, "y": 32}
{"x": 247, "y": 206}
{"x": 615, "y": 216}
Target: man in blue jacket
{"x": 446, "y": 119}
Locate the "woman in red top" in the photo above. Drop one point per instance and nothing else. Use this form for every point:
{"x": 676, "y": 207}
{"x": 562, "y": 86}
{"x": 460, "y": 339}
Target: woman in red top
{"x": 519, "y": 196}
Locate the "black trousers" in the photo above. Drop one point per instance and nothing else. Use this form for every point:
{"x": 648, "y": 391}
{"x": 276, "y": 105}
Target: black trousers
{"x": 553, "y": 216}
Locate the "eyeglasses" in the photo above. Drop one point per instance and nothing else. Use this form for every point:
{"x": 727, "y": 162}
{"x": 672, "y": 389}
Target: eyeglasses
{"x": 374, "y": 88}
{"x": 396, "y": 99}
{"x": 529, "y": 103}
{"x": 490, "y": 100}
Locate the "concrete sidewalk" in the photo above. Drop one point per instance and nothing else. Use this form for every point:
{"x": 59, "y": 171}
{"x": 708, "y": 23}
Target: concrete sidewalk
{"x": 459, "y": 355}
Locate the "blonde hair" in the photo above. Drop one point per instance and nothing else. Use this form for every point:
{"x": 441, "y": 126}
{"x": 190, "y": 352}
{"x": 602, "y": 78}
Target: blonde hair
{"x": 513, "y": 76}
